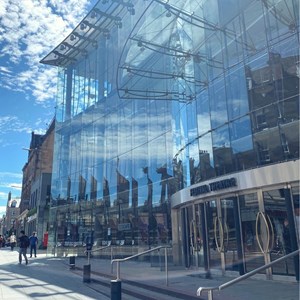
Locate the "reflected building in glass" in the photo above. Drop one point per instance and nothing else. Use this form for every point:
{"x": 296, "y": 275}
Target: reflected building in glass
{"x": 177, "y": 123}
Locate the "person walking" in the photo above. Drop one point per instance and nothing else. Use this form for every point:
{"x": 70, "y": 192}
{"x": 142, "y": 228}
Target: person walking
{"x": 12, "y": 241}
{"x": 23, "y": 244}
{"x": 33, "y": 242}
{"x": 1, "y": 240}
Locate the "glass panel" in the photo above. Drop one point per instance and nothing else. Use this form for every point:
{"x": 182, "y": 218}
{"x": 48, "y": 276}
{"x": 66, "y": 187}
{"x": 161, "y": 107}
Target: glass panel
{"x": 230, "y": 234}
{"x": 222, "y": 151}
{"x": 290, "y": 140}
{"x": 296, "y": 203}
{"x": 280, "y": 243}
{"x": 242, "y": 144}
{"x": 188, "y": 237}
{"x": 205, "y": 169}
{"x": 254, "y": 26}
{"x": 218, "y": 104}
{"x": 248, "y": 210}
{"x": 213, "y": 234}
{"x": 199, "y": 237}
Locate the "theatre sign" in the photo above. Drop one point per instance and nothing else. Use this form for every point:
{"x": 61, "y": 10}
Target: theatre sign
{"x": 213, "y": 187}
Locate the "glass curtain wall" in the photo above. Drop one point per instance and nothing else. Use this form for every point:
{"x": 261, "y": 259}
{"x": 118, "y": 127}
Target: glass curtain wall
{"x": 180, "y": 93}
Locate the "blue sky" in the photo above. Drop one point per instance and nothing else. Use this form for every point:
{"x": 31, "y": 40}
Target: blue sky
{"x": 29, "y": 29}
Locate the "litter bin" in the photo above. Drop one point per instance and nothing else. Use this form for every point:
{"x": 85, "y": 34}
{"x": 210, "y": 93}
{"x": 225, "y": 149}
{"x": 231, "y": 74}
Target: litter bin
{"x": 72, "y": 262}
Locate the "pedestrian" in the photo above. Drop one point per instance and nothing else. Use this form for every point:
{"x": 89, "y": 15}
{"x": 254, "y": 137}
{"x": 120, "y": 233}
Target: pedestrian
{"x": 23, "y": 244}
{"x": 12, "y": 241}
{"x": 33, "y": 242}
{"x": 286, "y": 237}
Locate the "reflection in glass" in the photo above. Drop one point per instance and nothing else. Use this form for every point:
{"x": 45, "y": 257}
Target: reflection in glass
{"x": 281, "y": 244}
{"x": 144, "y": 115}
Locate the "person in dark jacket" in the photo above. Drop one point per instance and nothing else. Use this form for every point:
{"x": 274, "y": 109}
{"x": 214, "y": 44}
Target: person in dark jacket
{"x": 286, "y": 237}
{"x": 23, "y": 244}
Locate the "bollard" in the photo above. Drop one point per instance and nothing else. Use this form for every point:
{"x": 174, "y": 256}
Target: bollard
{"x": 87, "y": 273}
{"x": 72, "y": 262}
{"x": 115, "y": 290}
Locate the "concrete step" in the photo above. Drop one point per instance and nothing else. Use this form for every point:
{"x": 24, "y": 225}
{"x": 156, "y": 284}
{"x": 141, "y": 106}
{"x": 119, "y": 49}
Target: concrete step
{"x": 133, "y": 290}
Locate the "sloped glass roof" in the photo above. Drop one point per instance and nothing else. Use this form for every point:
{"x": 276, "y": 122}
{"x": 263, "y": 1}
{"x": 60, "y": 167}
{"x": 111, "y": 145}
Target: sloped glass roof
{"x": 100, "y": 20}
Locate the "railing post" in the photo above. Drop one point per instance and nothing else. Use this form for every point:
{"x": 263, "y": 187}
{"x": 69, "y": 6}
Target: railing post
{"x": 210, "y": 295}
{"x": 111, "y": 258}
{"x": 116, "y": 285}
{"x": 89, "y": 256}
{"x": 166, "y": 266}
{"x": 118, "y": 270}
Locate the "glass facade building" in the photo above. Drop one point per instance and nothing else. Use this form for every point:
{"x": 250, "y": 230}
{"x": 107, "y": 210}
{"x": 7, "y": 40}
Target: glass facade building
{"x": 177, "y": 123}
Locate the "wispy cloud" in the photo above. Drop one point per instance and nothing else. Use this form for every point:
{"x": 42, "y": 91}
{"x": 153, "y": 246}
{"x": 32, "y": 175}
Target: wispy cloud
{"x": 9, "y": 182}
{"x": 29, "y": 29}
{"x": 15, "y": 186}
{"x": 5, "y": 70}
{"x": 9, "y": 175}
{"x": 11, "y": 123}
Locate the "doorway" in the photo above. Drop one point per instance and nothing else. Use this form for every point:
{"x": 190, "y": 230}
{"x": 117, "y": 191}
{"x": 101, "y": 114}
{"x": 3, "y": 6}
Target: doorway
{"x": 224, "y": 242}
{"x": 241, "y": 232}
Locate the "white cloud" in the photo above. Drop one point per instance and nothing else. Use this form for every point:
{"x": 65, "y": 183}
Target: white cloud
{"x": 15, "y": 186}
{"x": 29, "y": 29}
{"x": 4, "y": 176}
{"x": 4, "y": 69}
{"x": 12, "y": 123}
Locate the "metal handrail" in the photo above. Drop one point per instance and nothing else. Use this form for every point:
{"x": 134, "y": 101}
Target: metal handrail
{"x": 98, "y": 249}
{"x": 101, "y": 248}
{"x": 243, "y": 277}
{"x": 118, "y": 260}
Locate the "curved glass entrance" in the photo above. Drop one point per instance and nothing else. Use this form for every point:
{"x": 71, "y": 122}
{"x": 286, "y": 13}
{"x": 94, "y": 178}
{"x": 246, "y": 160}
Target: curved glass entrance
{"x": 242, "y": 233}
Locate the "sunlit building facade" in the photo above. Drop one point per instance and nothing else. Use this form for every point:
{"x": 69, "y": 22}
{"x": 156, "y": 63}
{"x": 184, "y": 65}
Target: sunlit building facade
{"x": 177, "y": 123}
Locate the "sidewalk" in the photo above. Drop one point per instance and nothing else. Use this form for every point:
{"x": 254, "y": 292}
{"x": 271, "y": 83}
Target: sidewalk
{"x": 48, "y": 277}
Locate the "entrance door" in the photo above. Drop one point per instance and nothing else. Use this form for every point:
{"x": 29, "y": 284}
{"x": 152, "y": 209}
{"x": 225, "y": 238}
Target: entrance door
{"x": 281, "y": 237}
{"x": 241, "y": 234}
{"x": 223, "y": 234}
{"x": 194, "y": 236}
{"x": 249, "y": 212}
{"x": 265, "y": 219}
{"x": 215, "y": 235}
{"x": 188, "y": 235}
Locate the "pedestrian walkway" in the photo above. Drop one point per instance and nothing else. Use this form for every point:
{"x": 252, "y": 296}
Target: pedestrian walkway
{"x": 46, "y": 278}
{"x": 49, "y": 277}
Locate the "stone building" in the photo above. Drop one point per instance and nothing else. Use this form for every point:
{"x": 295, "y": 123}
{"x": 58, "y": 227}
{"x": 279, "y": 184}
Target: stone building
{"x": 36, "y": 184}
